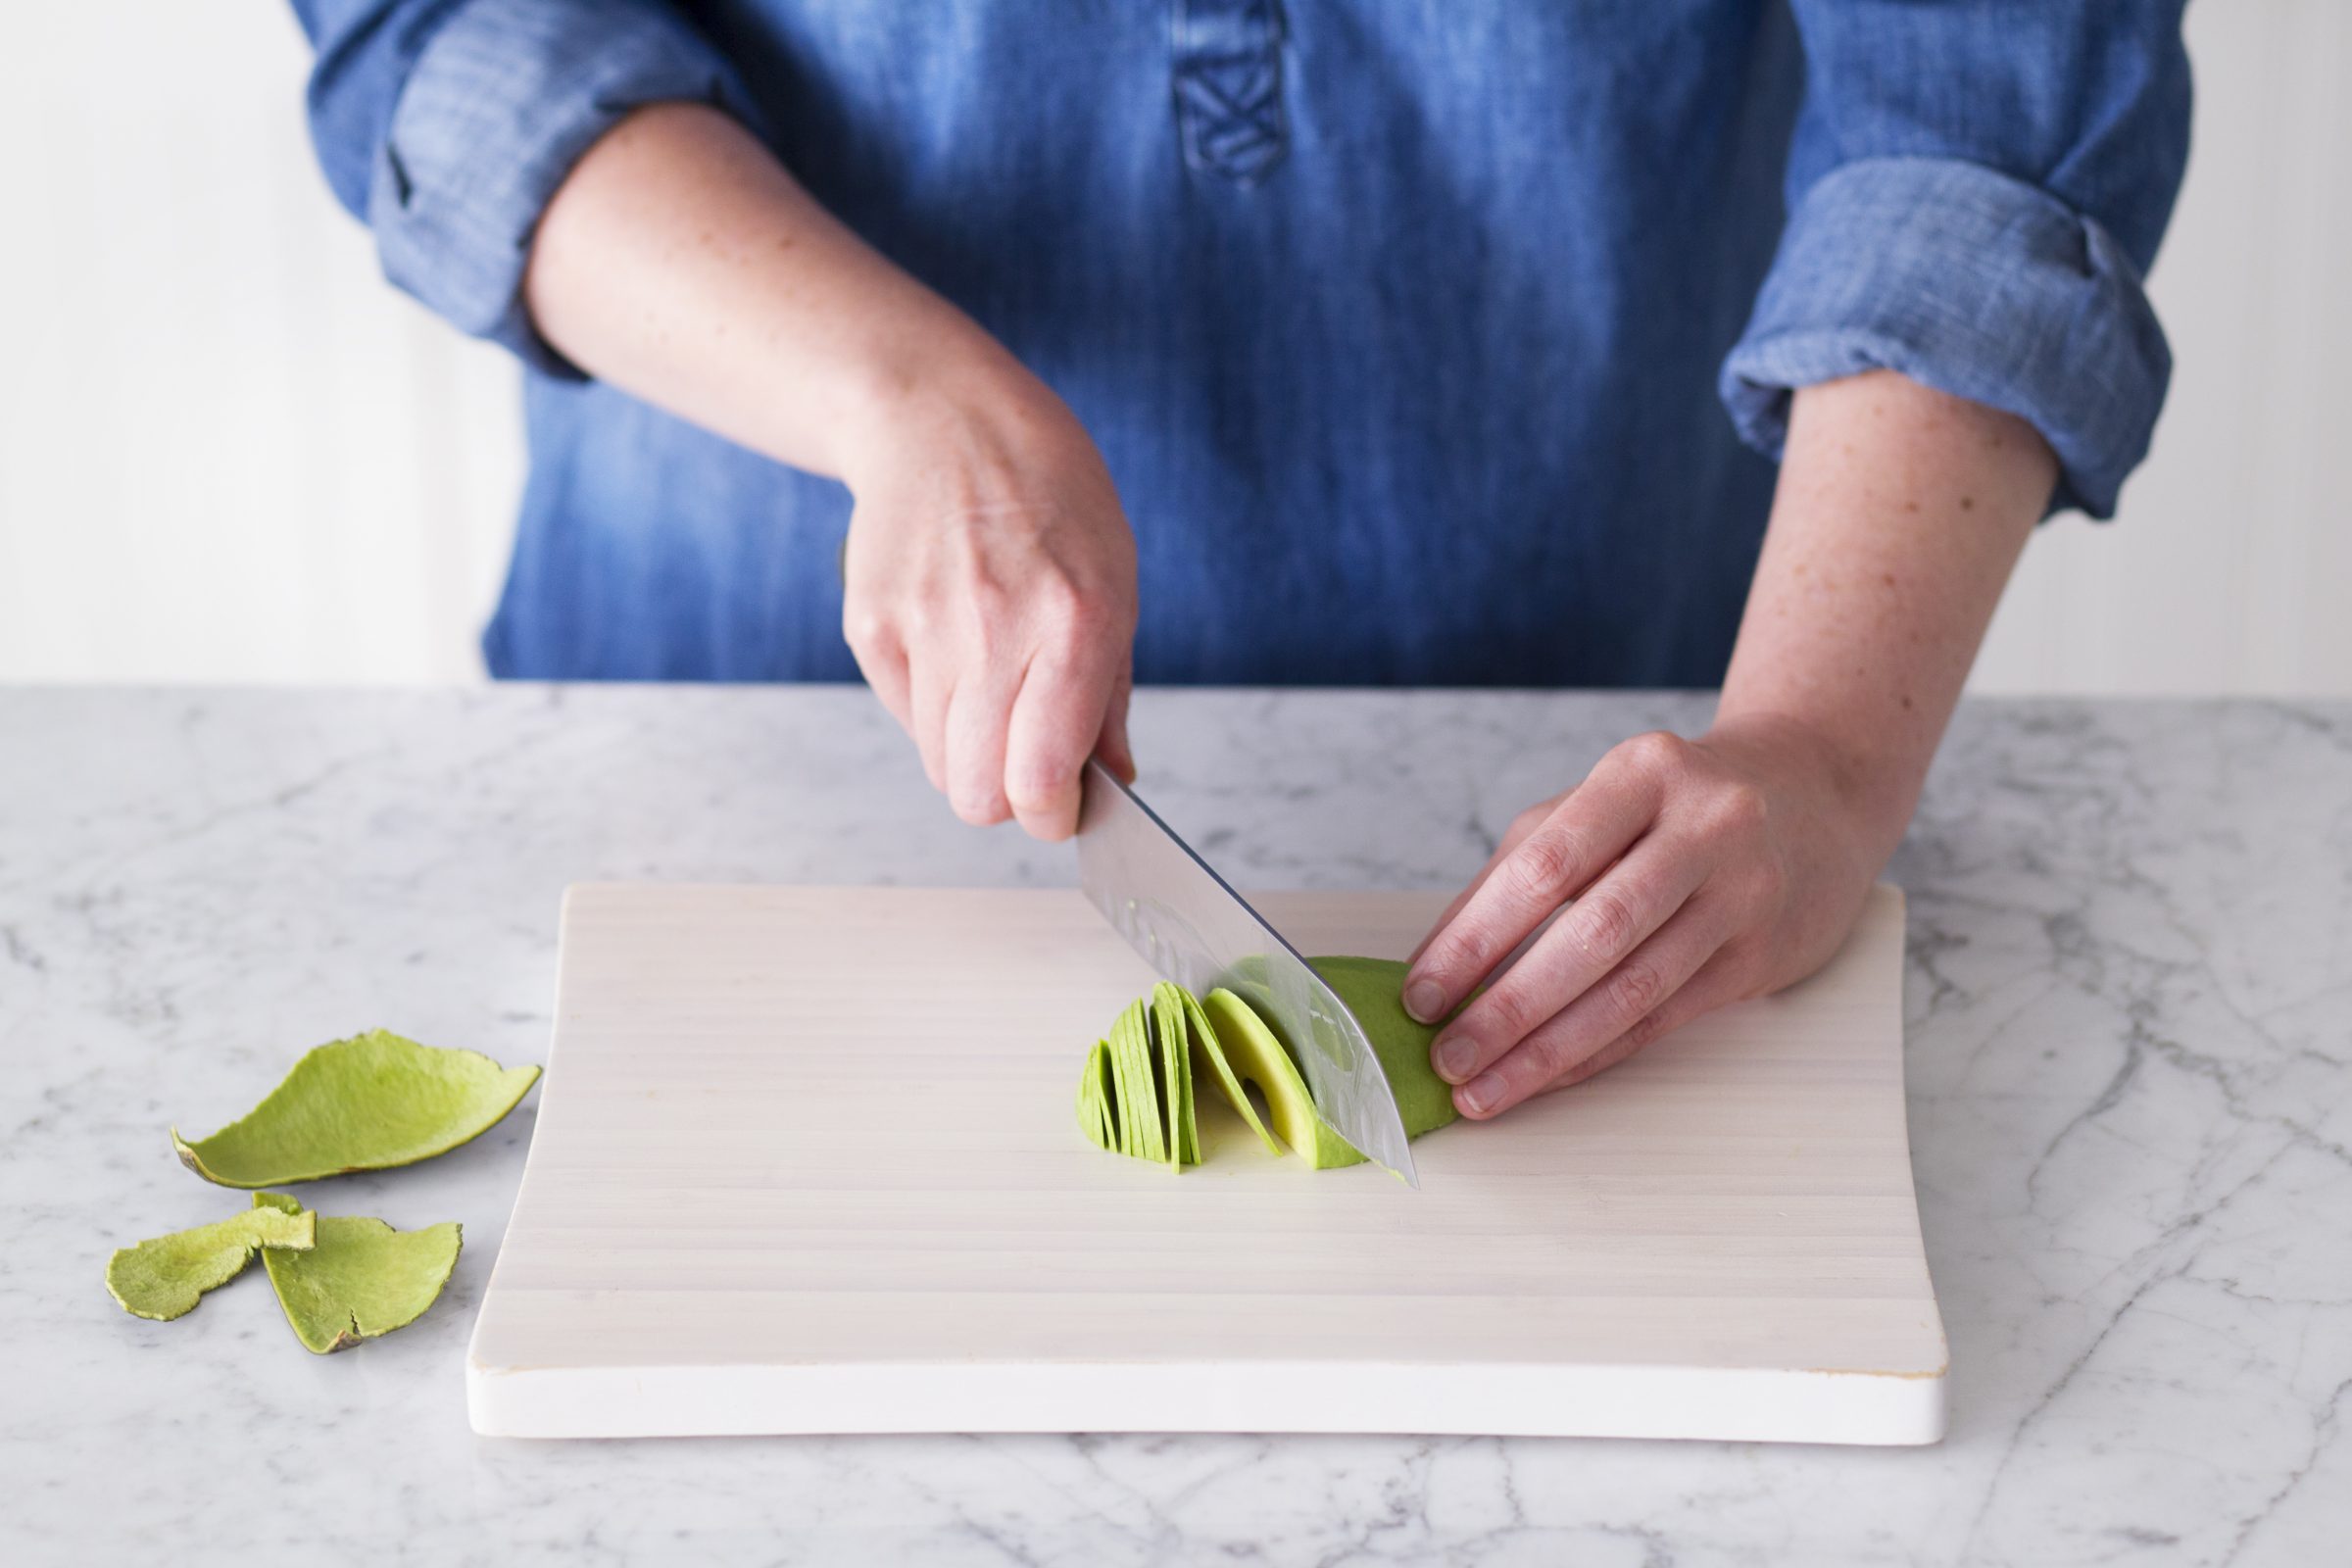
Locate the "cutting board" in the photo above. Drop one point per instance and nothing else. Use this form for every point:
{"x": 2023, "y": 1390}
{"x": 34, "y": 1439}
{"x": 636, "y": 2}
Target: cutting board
{"x": 808, "y": 1161}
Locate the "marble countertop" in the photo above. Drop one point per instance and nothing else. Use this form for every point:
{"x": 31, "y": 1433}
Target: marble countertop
{"x": 2130, "y": 1001}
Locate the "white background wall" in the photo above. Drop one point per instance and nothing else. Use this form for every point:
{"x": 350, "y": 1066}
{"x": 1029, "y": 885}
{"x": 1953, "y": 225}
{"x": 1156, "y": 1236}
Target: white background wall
{"x": 228, "y": 452}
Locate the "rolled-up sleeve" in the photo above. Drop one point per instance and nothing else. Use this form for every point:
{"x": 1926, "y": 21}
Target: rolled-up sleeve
{"x": 446, "y": 126}
{"x": 1976, "y": 190}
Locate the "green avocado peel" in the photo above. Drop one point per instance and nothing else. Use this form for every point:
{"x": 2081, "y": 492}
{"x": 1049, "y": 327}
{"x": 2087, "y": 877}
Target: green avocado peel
{"x": 362, "y": 1280}
{"x": 369, "y": 1103}
{"x": 163, "y": 1277}
{"x": 1374, "y": 990}
{"x": 1150, "y": 1083}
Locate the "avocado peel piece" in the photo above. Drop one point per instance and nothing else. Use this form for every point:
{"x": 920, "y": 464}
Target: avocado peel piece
{"x": 163, "y": 1277}
{"x": 369, "y": 1102}
{"x": 363, "y": 1279}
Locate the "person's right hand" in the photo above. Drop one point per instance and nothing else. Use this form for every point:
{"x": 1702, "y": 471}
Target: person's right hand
{"x": 990, "y": 591}
{"x": 989, "y": 572}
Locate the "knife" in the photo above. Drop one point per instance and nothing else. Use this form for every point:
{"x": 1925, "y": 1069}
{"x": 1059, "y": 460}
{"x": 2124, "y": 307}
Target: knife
{"x": 1193, "y": 929}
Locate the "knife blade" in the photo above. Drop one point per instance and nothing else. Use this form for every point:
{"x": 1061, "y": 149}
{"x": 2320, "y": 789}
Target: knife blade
{"x": 1191, "y": 926}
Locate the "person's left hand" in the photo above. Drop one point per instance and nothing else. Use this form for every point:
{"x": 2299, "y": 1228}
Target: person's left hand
{"x": 1691, "y": 874}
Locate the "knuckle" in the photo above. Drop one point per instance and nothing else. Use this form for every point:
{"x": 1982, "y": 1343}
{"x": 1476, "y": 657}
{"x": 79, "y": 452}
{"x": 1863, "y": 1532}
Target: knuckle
{"x": 1462, "y": 951}
{"x": 1072, "y": 636}
{"x": 1508, "y": 1011}
{"x": 1545, "y": 1057}
{"x": 1740, "y": 808}
{"x": 988, "y": 601}
{"x": 1068, "y": 622}
{"x": 1604, "y": 924}
{"x": 865, "y": 628}
{"x": 1637, "y": 988}
{"x": 1654, "y": 751}
{"x": 1058, "y": 600}
{"x": 1540, "y": 869}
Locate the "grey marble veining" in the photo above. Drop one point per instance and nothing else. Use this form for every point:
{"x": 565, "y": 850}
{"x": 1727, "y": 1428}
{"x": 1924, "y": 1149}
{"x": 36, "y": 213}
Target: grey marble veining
{"x": 2131, "y": 1087}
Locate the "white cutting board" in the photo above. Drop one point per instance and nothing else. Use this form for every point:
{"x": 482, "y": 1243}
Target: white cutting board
{"x": 808, "y": 1161}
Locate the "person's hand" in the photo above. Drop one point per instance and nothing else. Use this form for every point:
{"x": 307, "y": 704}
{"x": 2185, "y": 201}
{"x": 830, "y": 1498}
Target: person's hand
{"x": 988, "y": 575}
{"x": 1685, "y": 874}
{"x": 989, "y": 592}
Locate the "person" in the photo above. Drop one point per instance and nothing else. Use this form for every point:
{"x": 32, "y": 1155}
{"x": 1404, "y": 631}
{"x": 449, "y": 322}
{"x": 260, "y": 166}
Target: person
{"x": 1635, "y": 342}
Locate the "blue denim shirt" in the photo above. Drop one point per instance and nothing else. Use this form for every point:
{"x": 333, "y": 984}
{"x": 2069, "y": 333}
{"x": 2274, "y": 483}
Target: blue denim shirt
{"x": 1408, "y": 329}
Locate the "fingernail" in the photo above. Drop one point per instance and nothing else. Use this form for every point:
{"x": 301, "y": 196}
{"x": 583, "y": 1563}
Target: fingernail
{"x": 1425, "y": 1001}
{"x": 1485, "y": 1094}
{"x": 1454, "y": 1059}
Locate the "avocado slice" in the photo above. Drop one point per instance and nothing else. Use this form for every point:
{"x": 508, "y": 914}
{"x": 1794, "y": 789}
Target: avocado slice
{"x": 1094, "y": 1118}
{"x": 1140, "y": 1117}
{"x": 1175, "y": 1061}
{"x": 1257, "y": 1056}
{"x": 1208, "y": 1048}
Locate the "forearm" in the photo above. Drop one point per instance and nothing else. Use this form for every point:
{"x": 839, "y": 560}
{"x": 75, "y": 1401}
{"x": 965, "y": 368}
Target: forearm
{"x": 1900, "y": 516}
{"x": 682, "y": 262}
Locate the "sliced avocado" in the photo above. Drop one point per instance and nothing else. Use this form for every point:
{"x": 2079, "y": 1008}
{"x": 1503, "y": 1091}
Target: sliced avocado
{"x": 1138, "y": 1109}
{"x": 1094, "y": 1111}
{"x": 1105, "y": 1113}
{"x": 1175, "y": 1073}
{"x": 1257, "y": 1056}
{"x": 1136, "y": 1094}
{"x": 1208, "y": 1048}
